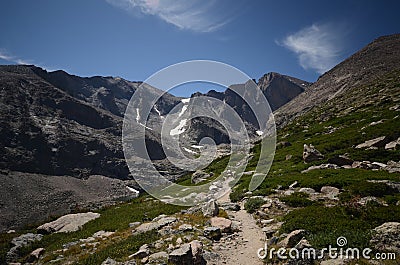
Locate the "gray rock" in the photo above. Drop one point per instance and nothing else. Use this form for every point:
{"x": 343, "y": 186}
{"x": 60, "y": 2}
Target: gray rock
{"x": 230, "y": 206}
{"x": 330, "y": 192}
{"x": 310, "y": 154}
{"x": 197, "y": 252}
{"x": 392, "y": 145}
{"x": 143, "y": 251}
{"x": 134, "y": 224}
{"x": 294, "y": 184}
{"x": 393, "y": 166}
{"x": 68, "y": 223}
{"x": 200, "y": 176}
{"x": 288, "y": 157}
{"x": 307, "y": 190}
{"x": 182, "y": 255}
{"x": 213, "y": 233}
{"x": 185, "y": 227}
{"x": 293, "y": 238}
{"x": 222, "y": 223}
{"x": 370, "y": 199}
{"x": 377, "y": 142}
{"x": 210, "y": 208}
{"x": 154, "y": 225}
{"x": 158, "y": 257}
{"x": 322, "y": 166}
{"x": 34, "y": 255}
{"x": 19, "y": 243}
{"x": 386, "y": 237}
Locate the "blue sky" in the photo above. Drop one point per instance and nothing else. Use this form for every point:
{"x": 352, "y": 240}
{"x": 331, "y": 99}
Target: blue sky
{"x": 136, "y": 38}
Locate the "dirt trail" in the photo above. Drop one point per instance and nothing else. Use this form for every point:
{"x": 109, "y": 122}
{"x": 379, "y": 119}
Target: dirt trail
{"x": 241, "y": 249}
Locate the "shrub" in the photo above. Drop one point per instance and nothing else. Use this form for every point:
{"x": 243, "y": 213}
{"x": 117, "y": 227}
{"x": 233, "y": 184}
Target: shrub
{"x": 253, "y": 204}
{"x": 366, "y": 188}
{"x": 297, "y": 199}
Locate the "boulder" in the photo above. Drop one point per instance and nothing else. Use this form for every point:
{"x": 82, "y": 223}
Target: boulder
{"x": 197, "y": 252}
{"x": 393, "y": 166}
{"x": 288, "y": 157}
{"x": 370, "y": 199}
{"x": 310, "y": 154}
{"x": 322, "y": 166}
{"x": 341, "y": 160}
{"x": 222, "y": 223}
{"x": 292, "y": 239}
{"x": 386, "y": 237}
{"x": 185, "y": 227}
{"x": 68, "y": 223}
{"x": 200, "y": 176}
{"x": 392, "y": 145}
{"x": 330, "y": 192}
{"x": 307, "y": 190}
{"x": 210, "y": 208}
{"x": 182, "y": 255}
{"x": 158, "y": 257}
{"x": 376, "y": 142}
{"x": 156, "y": 224}
{"x": 213, "y": 233}
{"x": 143, "y": 251}
{"x": 34, "y": 255}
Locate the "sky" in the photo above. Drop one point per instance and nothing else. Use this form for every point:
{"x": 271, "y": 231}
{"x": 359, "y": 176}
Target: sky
{"x": 134, "y": 39}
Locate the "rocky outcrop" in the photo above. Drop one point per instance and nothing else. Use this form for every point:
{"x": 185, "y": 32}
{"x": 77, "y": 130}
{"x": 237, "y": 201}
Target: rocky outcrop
{"x": 200, "y": 176}
{"x": 310, "y": 154}
{"x": 156, "y": 224}
{"x": 182, "y": 256}
{"x": 374, "y": 143}
{"x": 20, "y": 242}
{"x": 386, "y": 237}
{"x": 68, "y": 223}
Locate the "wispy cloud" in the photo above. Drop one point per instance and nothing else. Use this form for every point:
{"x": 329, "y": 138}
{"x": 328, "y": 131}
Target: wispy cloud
{"x": 194, "y": 15}
{"x": 4, "y": 55}
{"x": 318, "y": 46}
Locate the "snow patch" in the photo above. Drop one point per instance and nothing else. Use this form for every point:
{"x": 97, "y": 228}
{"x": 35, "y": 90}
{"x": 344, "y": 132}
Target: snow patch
{"x": 259, "y": 133}
{"x": 133, "y": 190}
{"x": 179, "y": 129}
{"x": 184, "y": 108}
{"x": 185, "y": 100}
{"x": 189, "y": 151}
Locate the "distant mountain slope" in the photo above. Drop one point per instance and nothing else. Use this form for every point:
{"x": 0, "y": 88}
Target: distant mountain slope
{"x": 380, "y": 57}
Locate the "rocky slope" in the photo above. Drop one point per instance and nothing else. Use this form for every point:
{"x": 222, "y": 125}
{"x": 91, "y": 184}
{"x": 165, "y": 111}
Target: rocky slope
{"x": 378, "y": 58}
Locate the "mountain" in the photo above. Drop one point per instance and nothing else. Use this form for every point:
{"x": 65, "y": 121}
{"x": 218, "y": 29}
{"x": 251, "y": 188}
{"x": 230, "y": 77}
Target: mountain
{"x": 378, "y": 58}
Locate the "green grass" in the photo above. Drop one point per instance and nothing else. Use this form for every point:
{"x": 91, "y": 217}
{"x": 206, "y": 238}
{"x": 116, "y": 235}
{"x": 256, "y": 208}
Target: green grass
{"x": 114, "y": 218}
{"x": 324, "y": 224}
{"x": 297, "y": 199}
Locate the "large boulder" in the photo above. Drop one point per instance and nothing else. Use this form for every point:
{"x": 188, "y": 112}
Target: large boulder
{"x": 197, "y": 252}
{"x": 386, "y": 237}
{"x": 182, "y": 256}
{"x": 210, "y": 208}
{"x": 293, "y": 238}
{"x": 222, "y": 223}
{"x": 68, "y": 223}
{"x": 212, "y": 232}
{"x": 330, "y": 192}
{"x": 310, "y": 154}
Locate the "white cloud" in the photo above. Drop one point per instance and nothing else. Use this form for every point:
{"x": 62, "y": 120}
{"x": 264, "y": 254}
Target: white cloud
{"x": 318, "y": 47}
{"x": 195, "y": 15}
{"x": 4, "y": 55}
